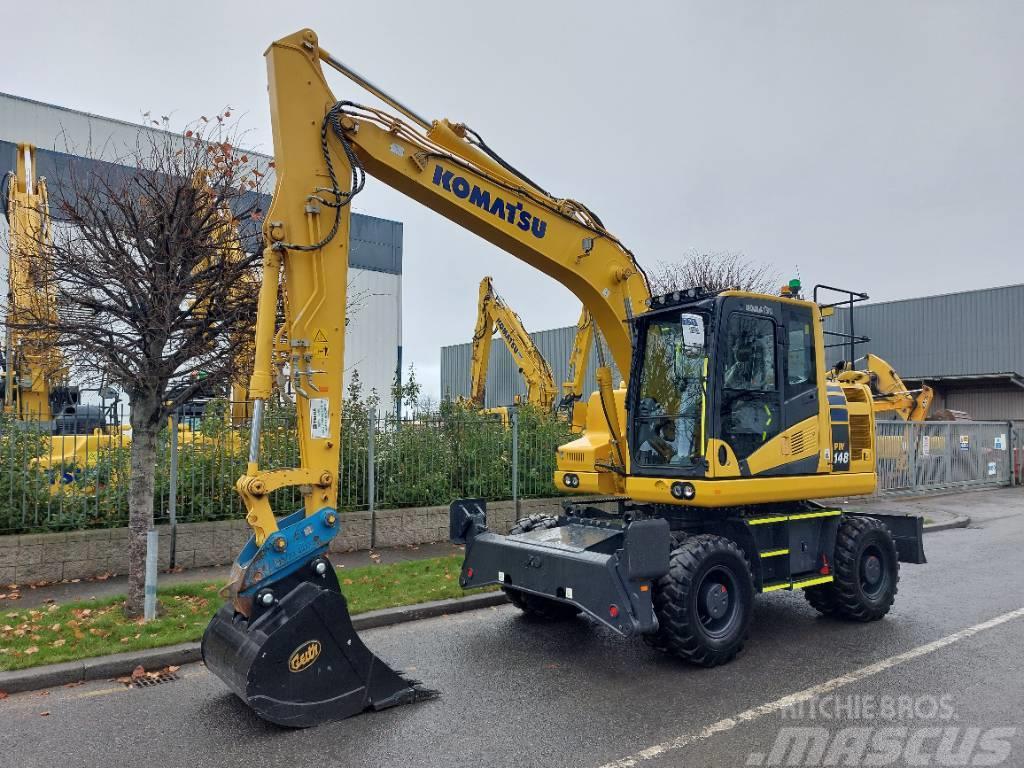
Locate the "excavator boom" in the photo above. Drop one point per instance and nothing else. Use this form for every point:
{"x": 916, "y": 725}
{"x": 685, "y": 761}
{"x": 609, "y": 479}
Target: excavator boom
{"x": 283, "y": 642}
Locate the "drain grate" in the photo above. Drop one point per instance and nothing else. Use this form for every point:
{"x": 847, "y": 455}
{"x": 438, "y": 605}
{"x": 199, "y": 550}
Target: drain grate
{"x": 149, "y": 681}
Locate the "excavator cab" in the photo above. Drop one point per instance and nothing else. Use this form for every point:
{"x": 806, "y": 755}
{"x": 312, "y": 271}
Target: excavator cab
{"x": 730, "y": 369}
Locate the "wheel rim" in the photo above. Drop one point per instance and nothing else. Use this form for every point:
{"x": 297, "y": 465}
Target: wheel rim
{"x": 874, "y": 573}
{"x": 717, "y": 601}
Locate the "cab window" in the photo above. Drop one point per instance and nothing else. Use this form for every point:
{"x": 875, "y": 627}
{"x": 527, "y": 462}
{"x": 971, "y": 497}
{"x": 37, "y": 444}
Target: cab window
{"x": 670, "y": 411}
{"x": 800, "y": 368}
{"x": 750, "y": 346}
{"x": 750, "y": 406}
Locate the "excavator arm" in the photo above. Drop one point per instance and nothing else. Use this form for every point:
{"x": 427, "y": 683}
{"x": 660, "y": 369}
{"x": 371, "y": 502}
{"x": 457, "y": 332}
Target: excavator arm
{"x": 324, "y": 149}
{"x": 286, "y": 610}
{"x": 483, "y": 333}
{"x": 572, "y": 403}
{"x": 889, "y": 393}
{"x": 494, "y": 314}
{"x": 35, "y": 374}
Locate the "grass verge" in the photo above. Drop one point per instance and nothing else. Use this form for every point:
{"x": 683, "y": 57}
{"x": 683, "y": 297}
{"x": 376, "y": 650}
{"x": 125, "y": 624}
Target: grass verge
{"x": 54, "y": 633}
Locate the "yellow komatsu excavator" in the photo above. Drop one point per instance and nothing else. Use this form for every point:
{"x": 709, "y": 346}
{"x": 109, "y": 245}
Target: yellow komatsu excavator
{"x": 494, "y": 314}
{"x": 35, "y": 382}
{"x": 728, "y": 428}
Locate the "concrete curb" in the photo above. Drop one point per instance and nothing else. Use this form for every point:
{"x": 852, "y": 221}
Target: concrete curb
{"x": 118, "y": 664}
{"x": 115, "y": 665}
{"x": 960, "y": 521}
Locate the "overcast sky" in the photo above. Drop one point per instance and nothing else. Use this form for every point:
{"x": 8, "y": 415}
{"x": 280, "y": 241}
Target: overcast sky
{"x": 876, "y": 145}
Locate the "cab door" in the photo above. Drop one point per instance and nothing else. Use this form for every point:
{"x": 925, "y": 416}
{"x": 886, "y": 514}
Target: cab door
{"x": 800, "y": 383}
{"x": 750, "y": 397}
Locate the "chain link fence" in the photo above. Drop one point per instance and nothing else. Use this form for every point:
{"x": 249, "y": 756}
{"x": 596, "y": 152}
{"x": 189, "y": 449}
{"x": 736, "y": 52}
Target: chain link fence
{"x": 60, "y": 482}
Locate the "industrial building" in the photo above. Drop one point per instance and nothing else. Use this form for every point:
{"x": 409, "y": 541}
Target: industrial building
{"x": 965, "y": 345}
{"x": 962, "y": 344}
{"x": 373, "y": 339}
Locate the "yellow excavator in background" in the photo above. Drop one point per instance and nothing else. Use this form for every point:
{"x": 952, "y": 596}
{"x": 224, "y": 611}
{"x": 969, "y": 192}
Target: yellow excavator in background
{"x": 727, "y": 430}
{"x": 493, "y": 314}
{"x": 35, "y": 384}
{"x": 890, "y": 396}
{"x": 889, "y": 393}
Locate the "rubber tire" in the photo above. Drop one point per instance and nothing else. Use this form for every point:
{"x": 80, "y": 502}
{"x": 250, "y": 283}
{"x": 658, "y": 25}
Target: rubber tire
{"x": 679, "y": 632}
{"x": 535, "y": 606}
{"x": 844, "y": 598}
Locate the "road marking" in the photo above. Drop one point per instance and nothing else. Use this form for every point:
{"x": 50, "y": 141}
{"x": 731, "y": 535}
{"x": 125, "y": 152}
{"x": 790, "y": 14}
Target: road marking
{"x": 728, "y": 723}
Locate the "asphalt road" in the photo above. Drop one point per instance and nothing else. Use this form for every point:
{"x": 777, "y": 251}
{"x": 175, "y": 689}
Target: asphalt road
{"x": 516, "y": 693}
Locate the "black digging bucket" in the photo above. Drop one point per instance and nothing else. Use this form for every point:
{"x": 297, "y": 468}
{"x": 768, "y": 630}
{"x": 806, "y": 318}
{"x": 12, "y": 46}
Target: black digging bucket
{"x": 299, "y": 662}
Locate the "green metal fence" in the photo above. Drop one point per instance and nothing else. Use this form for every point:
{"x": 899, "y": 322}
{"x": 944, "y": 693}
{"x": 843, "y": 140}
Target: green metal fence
{"x": 71, "y": 482}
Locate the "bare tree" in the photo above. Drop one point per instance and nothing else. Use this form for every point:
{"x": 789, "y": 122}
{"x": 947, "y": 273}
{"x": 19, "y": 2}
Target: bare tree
{"x": 714, "y": 272}
{"x": 153, "y": 286}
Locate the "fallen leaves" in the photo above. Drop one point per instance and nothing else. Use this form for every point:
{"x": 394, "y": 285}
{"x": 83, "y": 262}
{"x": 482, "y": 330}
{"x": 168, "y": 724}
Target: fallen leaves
{"x": 31, "y": 649}
{"x": 4, "y": 695}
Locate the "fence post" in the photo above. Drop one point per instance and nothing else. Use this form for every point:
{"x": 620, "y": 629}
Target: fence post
{"x": 172, "y": 490}
{"x": 371, "y": 476}
{"x": 1008, "y": 445}
{"x": 515, "y": 461}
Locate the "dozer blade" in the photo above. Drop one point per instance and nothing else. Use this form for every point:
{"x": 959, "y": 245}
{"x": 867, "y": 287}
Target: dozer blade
{"x": 300, "y": 662}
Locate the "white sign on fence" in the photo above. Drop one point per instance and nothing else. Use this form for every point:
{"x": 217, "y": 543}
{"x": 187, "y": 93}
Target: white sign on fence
{"x": 926, "y": 441}
{"x": 1000, "y": 442}
{"x": 992, "y": 469}
{"x": 965, "y": 442}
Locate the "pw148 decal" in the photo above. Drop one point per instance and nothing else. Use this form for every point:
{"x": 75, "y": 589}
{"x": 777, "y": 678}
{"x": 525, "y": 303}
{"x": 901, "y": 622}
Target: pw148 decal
{"x": 509, "y": 211}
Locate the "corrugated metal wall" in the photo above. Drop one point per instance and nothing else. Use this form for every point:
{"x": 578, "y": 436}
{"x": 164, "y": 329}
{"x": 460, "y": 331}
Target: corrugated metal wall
{"x": 504, "y": 381}
{"x": 955, "y": 334}
{"x": 988, "y": 403}
{"x": 373, "y": 334}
